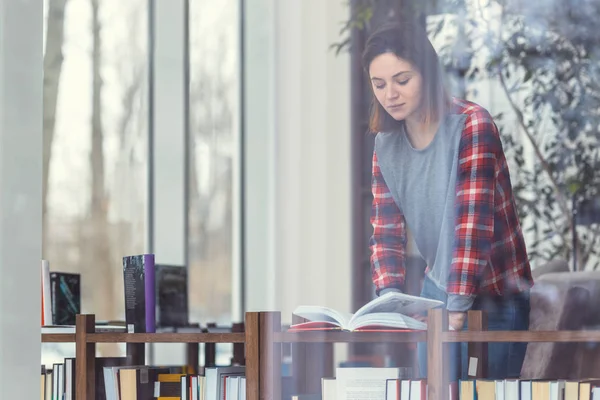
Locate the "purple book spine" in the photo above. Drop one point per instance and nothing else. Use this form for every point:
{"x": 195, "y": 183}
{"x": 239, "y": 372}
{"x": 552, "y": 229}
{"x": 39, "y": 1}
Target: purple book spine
{"x": 150, "y": 295}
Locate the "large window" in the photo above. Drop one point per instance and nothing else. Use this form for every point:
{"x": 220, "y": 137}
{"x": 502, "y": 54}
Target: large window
{"x": 214, "y": 156}
{"x": 95, "y": 156}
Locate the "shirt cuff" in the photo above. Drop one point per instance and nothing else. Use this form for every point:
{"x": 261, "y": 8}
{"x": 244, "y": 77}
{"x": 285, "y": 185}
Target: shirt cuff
{"x": 388, "y": 290}
{"x": 457, "y": 302}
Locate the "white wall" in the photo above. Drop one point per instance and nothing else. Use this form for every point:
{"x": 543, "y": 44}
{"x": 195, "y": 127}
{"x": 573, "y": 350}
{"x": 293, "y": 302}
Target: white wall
{"x": 167, "y": 220}
{"x": 313, "y": 226}
{"x": 298, "y": 134}
{"x": 169, "y": 162}
{"x": 258, "y": 154}
{"x": 20, "y": 197}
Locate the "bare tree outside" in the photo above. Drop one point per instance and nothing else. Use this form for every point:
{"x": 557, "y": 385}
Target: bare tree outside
{"x": 95, "y": 147}
{"x": 53, "y": 60}
{"x": 214, "y": 65}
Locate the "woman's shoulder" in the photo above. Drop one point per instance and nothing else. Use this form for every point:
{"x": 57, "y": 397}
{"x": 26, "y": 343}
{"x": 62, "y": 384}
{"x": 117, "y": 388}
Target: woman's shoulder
{"x": 470, "y": 109}
{"x": 479, "y": 126}
{"x": 478, "y": 120}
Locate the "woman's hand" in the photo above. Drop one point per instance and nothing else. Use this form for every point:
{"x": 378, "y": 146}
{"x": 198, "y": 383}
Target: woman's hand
{"x": 420, "y": 317}
{"x": 456, "y": 319}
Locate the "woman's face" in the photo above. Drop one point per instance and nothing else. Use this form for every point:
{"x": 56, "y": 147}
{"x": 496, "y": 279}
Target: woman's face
{"x": 396, "y": 85}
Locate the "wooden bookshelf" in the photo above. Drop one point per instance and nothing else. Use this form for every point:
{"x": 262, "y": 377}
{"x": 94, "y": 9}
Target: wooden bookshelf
{"x": 165, "y": 338}
{"x": 522, "y": 336}
{"x": 58, "y": 338}
{"x": 308, "y": 358}
{"x": 262, "y": 340}
{"x": 349, "y": 337}
{"x": 246, "y": 341}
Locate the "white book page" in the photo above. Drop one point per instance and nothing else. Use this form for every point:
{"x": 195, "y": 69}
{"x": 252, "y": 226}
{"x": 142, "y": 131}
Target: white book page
{"x": 392, "y": 320}
{"x": 363, "y": 383}
{"x": 394, "y": 302}
{"x": 325, "y": 314}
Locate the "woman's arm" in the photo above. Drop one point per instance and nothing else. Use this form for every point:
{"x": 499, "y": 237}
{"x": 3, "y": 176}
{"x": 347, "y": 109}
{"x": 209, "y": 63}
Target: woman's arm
{"x": 388, "y": 241}
{"x": 479, "y": 149}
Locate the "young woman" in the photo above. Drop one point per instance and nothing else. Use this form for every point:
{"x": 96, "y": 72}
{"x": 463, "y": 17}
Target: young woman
{"x": 439, "y": 170}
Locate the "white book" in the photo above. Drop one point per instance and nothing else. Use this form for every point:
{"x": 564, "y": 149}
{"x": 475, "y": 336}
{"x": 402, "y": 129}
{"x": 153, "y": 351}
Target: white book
{"x": 405, "y": 389}
{"x": 329, "y": 389}
{"x": 511, "y": 389}
{"x": 243, "y": 388}
{"x": 557, "y": 390}
{"x": 392, "y": 310}
{"x": 363, "y": 383}
{"x": 46, "y": 297}
{"x": 214, "y": 389}
{"x": 391, "y": 392}
{"x": 233, "y": 388}
{"x": 500, "y": 387}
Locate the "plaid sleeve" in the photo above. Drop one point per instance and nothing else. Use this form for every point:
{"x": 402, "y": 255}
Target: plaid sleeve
{"x": 388, "y": 241}
{"x": 478, "y": 151}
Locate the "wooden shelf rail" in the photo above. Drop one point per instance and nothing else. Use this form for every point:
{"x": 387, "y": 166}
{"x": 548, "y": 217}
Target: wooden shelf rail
{"x": 259, "y": 347}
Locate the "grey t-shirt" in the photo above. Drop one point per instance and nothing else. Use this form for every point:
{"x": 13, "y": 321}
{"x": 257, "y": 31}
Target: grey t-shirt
{"x": 423, "y": 184}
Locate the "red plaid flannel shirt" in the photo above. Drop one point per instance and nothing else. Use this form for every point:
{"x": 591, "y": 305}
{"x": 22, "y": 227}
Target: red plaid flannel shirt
{"x": 489, "y": 254}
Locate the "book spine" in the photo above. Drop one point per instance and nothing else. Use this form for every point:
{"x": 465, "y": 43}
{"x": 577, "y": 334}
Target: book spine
{"x": 46, "y": 294}
{"x": 134, "y": 287}
{"x": 54, "y": 299}
{"x": 150, "y": 293}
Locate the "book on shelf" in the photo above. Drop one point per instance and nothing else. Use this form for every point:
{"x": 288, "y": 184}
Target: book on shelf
{"x": 391, "y": 311}
{"x": 499, "y": 389}
{"x": 46, "y": 298}
{"x": 371, "y": 383}
{"x": 61, "y": 297}
{"x": 381, "y": 383}
{"x": 99, "y": 328}
{"x": 115, "y": 379}
{"x": 66, "y": 297}
{"x": 171, "y": 296}
{"x": 141, "y": 382}
{"x": 140, "y": 293}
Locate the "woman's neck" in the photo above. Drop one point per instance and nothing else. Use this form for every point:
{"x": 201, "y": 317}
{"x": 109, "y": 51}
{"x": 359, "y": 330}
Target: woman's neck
{"x": 419, "y": 133}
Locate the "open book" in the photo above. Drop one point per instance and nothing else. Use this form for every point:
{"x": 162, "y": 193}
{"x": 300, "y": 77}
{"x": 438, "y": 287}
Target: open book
{"x": 392, "y": 310}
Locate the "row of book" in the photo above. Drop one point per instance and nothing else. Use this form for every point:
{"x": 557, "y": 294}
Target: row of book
{"x": 115, "y": 380}
{"x": 388, "y": 384}
{"x": 155, "y": 296}
{"x": 528, "y": 389}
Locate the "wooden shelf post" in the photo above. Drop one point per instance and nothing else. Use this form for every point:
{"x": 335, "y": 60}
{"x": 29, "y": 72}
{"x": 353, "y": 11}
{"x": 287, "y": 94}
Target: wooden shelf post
{"x": 263, "y": 356}
{"x": 238, "y": 348}
{"x": 210, "y": 350}
{"x": 270, "y": 356}
{"x": 85, "y": 360}
{"x": 193, "y": 357}
{"x": 438, "y": 362}
{"x": 477, "y": 321}
{"x": 136, "y": 353}
{"x": 252, "y": 348}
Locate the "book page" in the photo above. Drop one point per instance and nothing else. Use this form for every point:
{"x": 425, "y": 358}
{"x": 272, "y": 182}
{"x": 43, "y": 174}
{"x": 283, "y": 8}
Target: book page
{"x": 324, "y": 314}
{"x": 363, "y": 383}
{"x": 391, "y": 320}
{"x": 395, "y": 302}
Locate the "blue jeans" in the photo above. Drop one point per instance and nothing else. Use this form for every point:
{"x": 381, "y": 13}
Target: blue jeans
{"x": 505, "y": 313}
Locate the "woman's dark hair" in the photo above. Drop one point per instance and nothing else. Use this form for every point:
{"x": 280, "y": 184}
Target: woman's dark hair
{"x": 408, "y": 41}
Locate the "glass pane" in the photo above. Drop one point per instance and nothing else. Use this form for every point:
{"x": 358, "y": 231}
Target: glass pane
{"x": 214, "y": 141}
{"x": 95, "y": 138}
